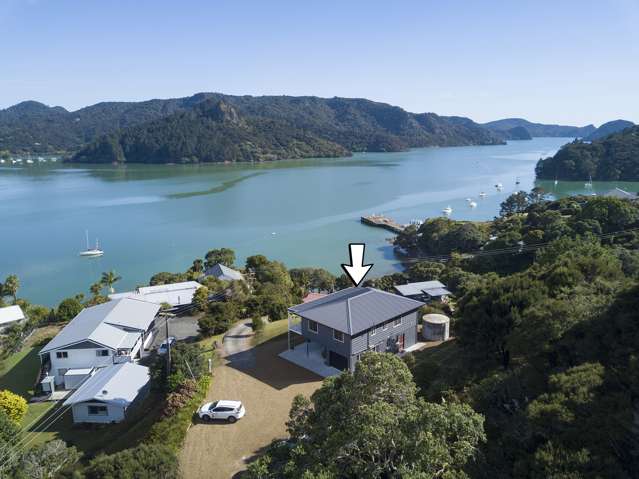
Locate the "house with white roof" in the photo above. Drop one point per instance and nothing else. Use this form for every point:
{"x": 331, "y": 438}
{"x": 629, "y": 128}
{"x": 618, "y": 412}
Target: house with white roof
{"x": 424, "y": 291}
{"x": 109, "y": 333}
{"x": 10, "y": 315}
{"x": 107, "y": 394}
{"x": 175, "y": 294}
{"x": 223, "y": 273}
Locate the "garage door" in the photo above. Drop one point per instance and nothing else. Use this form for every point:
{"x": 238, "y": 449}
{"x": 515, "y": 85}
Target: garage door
{"x": 337, "y": 361}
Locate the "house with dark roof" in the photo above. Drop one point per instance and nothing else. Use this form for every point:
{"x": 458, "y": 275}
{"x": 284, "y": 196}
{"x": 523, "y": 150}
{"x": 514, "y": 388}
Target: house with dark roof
{"x": 333, "y": 331}
{"x": 424, "y": 291}
{"x": 99, "y": 336}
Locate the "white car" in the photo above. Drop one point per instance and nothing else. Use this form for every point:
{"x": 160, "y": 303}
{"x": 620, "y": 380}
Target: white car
{"x": 230, "y": 411}
{"x": 164, "y": 347}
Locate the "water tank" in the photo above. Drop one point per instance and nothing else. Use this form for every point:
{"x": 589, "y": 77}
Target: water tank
{"x": 436, "y": 327}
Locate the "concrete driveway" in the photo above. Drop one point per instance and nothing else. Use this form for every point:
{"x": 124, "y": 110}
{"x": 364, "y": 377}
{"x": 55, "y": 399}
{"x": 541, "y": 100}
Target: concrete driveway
{"x": 266, "y": 384}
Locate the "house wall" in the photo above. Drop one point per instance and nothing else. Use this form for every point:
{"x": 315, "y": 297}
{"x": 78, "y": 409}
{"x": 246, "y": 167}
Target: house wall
{"x": 115, "y": 413}
{"x": 77, "y": 358}
{"x": 352, "y": 346}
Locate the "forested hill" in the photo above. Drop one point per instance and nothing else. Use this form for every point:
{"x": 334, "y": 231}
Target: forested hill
{"x": 615, "y": 157}
{"x": 609, "y": 128}
{"x": 355, "y": 124}
{"x": 213, "y": 131}
{"x": 539, "y": 129}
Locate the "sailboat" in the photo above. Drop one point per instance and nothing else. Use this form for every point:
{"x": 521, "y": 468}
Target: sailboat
{"x": 447, "y": 211}
{"x": 92, "y": 252}
{"x": 589, "y": 184}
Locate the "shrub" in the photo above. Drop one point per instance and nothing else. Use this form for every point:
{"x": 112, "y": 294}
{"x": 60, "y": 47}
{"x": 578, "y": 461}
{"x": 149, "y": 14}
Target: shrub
{"x": 13, "y": 405}
{"x": 258, "y": 324}
{"x": 68, "y": 309}
{"x": 146, "y": 461}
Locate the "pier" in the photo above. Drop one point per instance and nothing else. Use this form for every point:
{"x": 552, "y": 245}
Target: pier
{"x": 382, "y": 221}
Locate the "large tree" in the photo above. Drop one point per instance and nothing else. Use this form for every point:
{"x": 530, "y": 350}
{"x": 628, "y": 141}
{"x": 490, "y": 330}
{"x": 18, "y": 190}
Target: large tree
{"x": 372, "y": 424}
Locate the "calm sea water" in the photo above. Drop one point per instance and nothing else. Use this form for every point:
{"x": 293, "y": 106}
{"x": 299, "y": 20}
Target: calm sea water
{"x": 304, "y": 213}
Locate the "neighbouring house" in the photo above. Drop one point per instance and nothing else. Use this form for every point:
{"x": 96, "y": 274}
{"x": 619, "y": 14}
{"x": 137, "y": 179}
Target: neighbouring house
{"x": 339, "y": 327}
{"x": 110, "y": 333}
{"x": 9, "y": 316}
{"x": 424, "y": 291}
{"x": 174, "y": 294}
{"x": 107, "y": 394}
{"x": 223, "y": 273}
{"x": 312, "y": 297}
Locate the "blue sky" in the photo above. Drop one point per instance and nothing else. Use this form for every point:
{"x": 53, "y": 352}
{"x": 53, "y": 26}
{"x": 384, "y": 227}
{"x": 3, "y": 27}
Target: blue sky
{"x": 573, "y": 62}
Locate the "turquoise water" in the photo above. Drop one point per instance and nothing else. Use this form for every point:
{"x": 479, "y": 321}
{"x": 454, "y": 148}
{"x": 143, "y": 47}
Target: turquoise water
{"x": 304, "y": 213}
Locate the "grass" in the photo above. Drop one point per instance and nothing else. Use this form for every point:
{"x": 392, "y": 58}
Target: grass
{"x": 271, "y": 330}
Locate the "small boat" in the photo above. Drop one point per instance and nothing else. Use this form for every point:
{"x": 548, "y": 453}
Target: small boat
{"x": 482, "y": 195}
{"x": 1, "y": 161}
{"x": 447, "y": 211}
{"x": 30, "y": 161}
{"x": 92, "y": 252}
{"x": 468, "y": 200}
{"x": 517, "y": 181}
{"x": 499, "y": 186}
{"x": 472, "y": 204}
{"x": 556, "y": 182}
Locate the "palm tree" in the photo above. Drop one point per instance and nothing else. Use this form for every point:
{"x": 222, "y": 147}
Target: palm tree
{"x": 109, "y": 279}
{"x": 96, "y": 289}
{"x": 11, "y": 286}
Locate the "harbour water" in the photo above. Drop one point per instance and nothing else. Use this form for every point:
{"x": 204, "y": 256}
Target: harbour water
{"x": 304, "y": 213}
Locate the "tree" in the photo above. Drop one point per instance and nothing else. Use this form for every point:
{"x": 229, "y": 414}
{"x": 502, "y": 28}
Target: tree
{"x": 219, "y": 318}
{"x": 515, "y": 203}
{"x": 10, "y": 287}
{"x": 68, "y": 309}
{"x": 146, "y": 461}
{"x": 372, "y": 424}
{"x": 186, "y": 359}
{"x": 44, "y": 461}
{"x": 225, "y": 256}
{"x": 13, "y": 405}
{"x": 201, "y": 298}
{"x": 166, "y": 278}
{"x": 9, "y": 436}
{"x": 109, "y": 279}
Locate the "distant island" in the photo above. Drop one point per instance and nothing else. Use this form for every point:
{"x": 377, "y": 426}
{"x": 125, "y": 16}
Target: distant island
{"x": 608, "y": 129}
{"x": 212, "y": 127}
{"x": 613, "y": 158}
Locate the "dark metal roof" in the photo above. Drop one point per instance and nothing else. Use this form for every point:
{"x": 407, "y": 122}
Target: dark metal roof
{"x": 354, "y": 310}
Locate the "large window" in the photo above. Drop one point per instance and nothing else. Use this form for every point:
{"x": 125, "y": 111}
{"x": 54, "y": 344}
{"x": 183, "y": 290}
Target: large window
{"x": 98, "y": 411}
{"x": 312, "y": 326}
{"x": 338, "y": 336}
{"x": 102, "y": 352}
{"x": 374, "y": 331}
{"x": 385, "y": 326}
{"x": 62, "y": 355}
{"x": 397, "y": 322}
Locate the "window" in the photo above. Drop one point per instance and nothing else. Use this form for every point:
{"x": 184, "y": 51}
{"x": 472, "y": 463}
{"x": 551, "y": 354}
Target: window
{"x": 374, "y": 331}
{"x": 385, "y": 326}
{"x": 397, "y": 322}
{"x": 338, "y": 336}
{"x": 62, "y": 355}
{"x": 312, "y": 326}
{"x": 102, "y": 352}
{"x": 98, "y": 411}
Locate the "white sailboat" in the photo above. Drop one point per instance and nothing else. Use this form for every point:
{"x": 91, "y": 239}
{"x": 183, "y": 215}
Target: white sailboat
{"x": 92, "y": 252}
{"x": 589, "y": 184}
{"x": 472, "y": 204}
{"x": 447, "y": 211}
{"x": 482, "y": 195}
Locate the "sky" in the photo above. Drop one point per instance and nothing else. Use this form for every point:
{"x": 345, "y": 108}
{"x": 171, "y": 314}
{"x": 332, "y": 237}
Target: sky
{"x": 561, "y": 61}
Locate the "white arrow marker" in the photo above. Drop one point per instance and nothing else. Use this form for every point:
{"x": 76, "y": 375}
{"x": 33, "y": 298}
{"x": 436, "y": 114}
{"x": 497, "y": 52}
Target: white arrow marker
{"x": 357, "y": 269}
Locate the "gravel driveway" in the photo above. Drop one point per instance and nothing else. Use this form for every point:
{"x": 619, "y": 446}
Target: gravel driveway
{"x": 266, "y": 384}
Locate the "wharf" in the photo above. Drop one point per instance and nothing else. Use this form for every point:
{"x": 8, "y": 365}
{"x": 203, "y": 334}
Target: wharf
{"x": 382, "y": 221}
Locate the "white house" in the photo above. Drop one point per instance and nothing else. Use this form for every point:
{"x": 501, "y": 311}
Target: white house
{"x": 102, "y": 335}
{"x": 9, "y": 316}
{"x": 175, "y": 294}
{"x": 108, "y": 393}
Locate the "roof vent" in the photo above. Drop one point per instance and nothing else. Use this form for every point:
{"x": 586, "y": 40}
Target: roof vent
{"x": 104, "y": 392}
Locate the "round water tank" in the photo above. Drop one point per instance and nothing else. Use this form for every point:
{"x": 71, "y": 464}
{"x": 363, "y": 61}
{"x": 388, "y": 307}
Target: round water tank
{"x": 436, "y": 327}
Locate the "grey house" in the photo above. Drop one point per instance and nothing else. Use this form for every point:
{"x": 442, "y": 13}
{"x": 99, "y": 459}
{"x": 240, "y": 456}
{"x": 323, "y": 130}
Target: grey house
{"x": 424, "y": 291}
{"x": 339, "y": 327}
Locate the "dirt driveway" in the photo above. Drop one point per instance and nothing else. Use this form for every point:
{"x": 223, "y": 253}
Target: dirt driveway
{"x": 266, "y": 384}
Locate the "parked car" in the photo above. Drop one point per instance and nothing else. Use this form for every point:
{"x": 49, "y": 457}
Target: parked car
{"x": 230, "y": 411}
{"x": 164, "y": 347}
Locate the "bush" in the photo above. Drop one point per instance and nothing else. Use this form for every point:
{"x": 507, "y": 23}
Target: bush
{"x": 171, "y": 430}
{"x": 258, "y": 324}
{"x": 219, "y": 319}
{"x": 13, "y": 405}
{"x": 146, "y": 461}
{"x": 180, "y": 397}
{"x": 187, "y": 361}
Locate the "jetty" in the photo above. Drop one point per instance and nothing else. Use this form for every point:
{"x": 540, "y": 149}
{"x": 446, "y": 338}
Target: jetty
{"x": 382, "y": 221}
